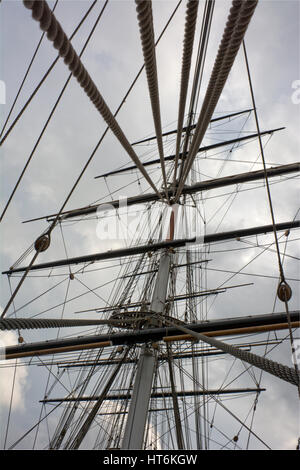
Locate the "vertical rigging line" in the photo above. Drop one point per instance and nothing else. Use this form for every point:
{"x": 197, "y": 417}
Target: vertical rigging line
{"x": 201, "y": 55}
{"x": 266, "y": 351}
{"x": 12, "y": 391}
{"x": 50, "y": 369}
{"x": 263, "y": 161}
{"x": 145, "y": 19}
{"x": 40, "y": 245}
{"x": 283, "y": 284}
{"x": 228, "y": 411}
{"x": 238, "y": 20}
{"x": 189, "y": 33}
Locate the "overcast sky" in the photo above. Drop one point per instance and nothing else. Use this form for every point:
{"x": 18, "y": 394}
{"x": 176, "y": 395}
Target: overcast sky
{"x": 113, "y": 57}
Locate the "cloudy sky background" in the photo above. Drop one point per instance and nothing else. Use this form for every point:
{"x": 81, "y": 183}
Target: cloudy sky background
{"x": 113, "y": 58}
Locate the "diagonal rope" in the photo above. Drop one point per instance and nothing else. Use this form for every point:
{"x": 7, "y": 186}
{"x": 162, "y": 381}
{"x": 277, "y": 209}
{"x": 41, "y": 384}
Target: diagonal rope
{"x": 49, "y": 119}
{"x": 45, "y": 76}
{"x": 24, "y": 78}
{"x": 42, "y": 13}
{"x": 75, "y": 444}
{"x": 279, "y": 370}
{"x": 86, "y": 165}
{"x": 44, "y": 241}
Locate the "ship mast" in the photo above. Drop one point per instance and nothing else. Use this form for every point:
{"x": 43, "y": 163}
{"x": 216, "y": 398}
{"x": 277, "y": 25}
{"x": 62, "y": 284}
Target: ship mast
{"x": 157, "y": 325}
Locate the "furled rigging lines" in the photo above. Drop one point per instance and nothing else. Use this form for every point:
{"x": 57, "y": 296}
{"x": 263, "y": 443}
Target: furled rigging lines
{"x": 238, "y": 20}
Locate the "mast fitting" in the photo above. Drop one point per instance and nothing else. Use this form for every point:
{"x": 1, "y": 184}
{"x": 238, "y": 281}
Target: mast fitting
{"x": 42, "y": 243}
{"x": 284, "y": 291}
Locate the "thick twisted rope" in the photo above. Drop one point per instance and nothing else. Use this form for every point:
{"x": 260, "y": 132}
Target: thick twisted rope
{"x": 279, "y": 370}
{"x": 238, "y": 20}
{"x": 48, "y": 23}
{"x": 188, "y": 42}
{"x": 38, "y": 323}
{"x": 145, "y": 19}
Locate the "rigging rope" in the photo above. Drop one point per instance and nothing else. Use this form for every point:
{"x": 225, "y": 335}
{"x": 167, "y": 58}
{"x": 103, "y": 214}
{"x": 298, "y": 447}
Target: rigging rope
{"x": 145, "y": 19}
{"x": 24, "y": 78}
{"x": 279, "y": 370}
{"x": 49, "y": 119}
{"x": 284, "y": 291}
{"x": 201, "y": 55}
{"x": 45, "y": 76}
{"x": 91, "y": 156}
{"x": 75, "y": 444}
{"x": 238, "y": 20}
{"x": 43, "y": 241}
{"x": 35, "y": 323}
{"x": 42, "y": 13}
{"x": 189, "y": 33}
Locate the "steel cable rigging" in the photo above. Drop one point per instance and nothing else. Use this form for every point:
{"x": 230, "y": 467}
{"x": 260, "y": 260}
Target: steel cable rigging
{"x": 284, "y": 291}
